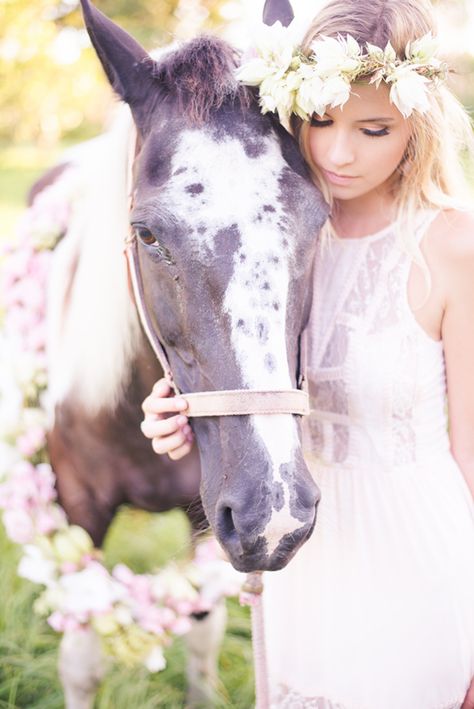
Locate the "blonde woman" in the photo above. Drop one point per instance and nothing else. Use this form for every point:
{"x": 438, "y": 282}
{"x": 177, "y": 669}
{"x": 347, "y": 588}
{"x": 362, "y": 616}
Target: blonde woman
{"x": 376, "y": 611}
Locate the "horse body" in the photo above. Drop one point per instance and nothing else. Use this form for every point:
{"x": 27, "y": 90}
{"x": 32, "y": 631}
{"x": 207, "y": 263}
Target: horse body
{"x": 104, "y": 461}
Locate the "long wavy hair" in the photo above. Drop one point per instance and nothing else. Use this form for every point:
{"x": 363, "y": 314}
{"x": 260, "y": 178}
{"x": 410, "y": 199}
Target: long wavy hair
{"x": 432, "y": 171}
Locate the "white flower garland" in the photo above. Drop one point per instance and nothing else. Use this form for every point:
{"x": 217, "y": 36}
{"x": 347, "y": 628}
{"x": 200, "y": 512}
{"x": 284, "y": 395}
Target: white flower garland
{"x": 136, "y": 615}
{"x": 292, "y": 83}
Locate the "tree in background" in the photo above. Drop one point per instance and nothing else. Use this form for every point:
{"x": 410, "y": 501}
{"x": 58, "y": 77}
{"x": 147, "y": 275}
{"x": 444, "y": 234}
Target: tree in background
{"x": 52, "y": 86}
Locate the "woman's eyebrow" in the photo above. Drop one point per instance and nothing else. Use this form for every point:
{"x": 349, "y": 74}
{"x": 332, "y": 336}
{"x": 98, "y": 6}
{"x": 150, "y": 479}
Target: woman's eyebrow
{"x": 383, "y": 119}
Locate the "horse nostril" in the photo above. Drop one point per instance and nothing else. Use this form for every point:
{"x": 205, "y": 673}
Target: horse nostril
{"x": 226, "y": 530}
{"x": 226, "y": 523}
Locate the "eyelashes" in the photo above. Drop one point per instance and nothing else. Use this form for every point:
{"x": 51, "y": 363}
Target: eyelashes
{"x": 319, "y": 124}
{"x": 316, "y": 123}
{"x": 376, "y": 133}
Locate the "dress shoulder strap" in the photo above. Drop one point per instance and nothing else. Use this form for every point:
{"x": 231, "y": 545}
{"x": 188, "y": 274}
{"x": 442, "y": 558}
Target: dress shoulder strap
{"x": 425, "y": 220}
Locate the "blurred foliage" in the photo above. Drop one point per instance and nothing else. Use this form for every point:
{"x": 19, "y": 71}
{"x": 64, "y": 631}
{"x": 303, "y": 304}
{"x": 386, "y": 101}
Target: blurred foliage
{"x": 52, "y": 86}
{"x": 51, "y": 83}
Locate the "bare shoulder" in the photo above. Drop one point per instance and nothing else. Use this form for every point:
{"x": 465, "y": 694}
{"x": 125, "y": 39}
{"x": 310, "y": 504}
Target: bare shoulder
{"x": 450, "y": 239}
{"x": 449, "y": 251}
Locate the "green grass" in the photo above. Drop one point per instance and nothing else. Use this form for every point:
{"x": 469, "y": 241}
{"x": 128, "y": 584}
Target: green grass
{"x": 28, "y": 647}
{"x": 20, "y": 166}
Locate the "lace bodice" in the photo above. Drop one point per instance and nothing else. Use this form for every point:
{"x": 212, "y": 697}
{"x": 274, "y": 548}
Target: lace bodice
{"x": 375, "y": 378}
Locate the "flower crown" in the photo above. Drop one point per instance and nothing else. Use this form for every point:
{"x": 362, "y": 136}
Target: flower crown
{"x": 292, "y": 82}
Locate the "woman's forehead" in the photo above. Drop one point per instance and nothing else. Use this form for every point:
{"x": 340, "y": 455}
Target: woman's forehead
{"x": 367, "y": 102}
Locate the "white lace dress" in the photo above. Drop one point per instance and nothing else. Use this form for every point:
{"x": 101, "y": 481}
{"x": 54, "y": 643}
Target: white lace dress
{"x": 376, "y": 611}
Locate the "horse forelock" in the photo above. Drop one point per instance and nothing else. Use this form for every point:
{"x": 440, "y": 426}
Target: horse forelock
{"x": 200, "y": 76}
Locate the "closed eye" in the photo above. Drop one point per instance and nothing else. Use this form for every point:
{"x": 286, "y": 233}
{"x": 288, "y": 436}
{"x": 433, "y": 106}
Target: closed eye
{"x": 317, "y": 123}
{"x": 376, "y": 133}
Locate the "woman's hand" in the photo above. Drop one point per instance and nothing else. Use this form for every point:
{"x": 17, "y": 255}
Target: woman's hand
{"x": 469, "y": 699}
{"x": 169, "y": 434}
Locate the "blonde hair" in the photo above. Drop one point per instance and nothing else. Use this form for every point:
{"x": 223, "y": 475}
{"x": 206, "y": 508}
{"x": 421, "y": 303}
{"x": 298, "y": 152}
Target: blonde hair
{"x": 431, "y": 174}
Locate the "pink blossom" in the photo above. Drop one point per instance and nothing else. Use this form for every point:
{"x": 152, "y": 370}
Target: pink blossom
{"x": 16, "y": 264}
{"x": 202, "y": 606}
{"x": 63, "y": 623}
{"x": 40, "y": 265}
{"x": 182, "y": 607}
{"x": 46, "y": 521}
{"x": 138, "y": 585}
{"x": 208, "y": 551}
{"x": 36, "y": 338}
{"x": 45, "y": 481}
{"x": 19, "y": 526}
{"x": 181, "y": 626}
{"x": 151, "y": 619}
{"x": 20, "y": 319}
{"x": 31, "y": 441}
{"x": 28, "y": 292}
{"x": 89, "y": 592}
{"x": 68, "y": 567}
{"x": 167, "y": 617}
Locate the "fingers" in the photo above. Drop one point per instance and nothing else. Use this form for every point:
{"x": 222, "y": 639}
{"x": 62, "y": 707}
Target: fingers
{"x": 169, "y": 433}
{"x": 168, "y": 444}
{"x": 181, "y": 451}
{"x": 162, "y": 402}
{"x": 153, "y": 427}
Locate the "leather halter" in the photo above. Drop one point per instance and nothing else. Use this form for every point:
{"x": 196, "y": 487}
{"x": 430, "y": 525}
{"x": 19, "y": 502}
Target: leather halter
{"x": 237, "y": 402}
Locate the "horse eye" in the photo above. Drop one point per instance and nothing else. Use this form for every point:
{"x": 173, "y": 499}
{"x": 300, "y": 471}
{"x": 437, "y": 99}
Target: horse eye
{"x": 145, "y": 235}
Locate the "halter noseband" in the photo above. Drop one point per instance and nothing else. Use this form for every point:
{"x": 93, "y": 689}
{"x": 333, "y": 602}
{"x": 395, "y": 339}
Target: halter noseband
{"x": 237, "y": 402}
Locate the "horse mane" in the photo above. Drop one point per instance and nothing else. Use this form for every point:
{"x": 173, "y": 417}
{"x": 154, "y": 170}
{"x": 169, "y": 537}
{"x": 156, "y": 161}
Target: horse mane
{"x": 93, "y": 330}
{"x": 200, "y": 76}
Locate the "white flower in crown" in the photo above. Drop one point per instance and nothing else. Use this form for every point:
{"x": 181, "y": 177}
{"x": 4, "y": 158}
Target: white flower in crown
{"x": 309, "y": 97}
{"x": 409, "y": 90}
{"x": 336, "y": 92}
{"x": 274, "y": 53}
{"x": 375, "y": 53}
{"x": 290, "y": 82}
{"x": 335, "y": 56}
{"x": 280, "y": 95}
{"x": 423, "y": 51}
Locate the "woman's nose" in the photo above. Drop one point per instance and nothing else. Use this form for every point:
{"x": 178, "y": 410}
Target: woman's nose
{"x": 342, "y": 150}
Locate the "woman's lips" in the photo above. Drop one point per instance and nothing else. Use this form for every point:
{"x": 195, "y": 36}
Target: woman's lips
{"x": 338, "y": 179}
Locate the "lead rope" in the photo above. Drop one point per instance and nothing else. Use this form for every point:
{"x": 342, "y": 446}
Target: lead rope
{"x": 252, "y": 595}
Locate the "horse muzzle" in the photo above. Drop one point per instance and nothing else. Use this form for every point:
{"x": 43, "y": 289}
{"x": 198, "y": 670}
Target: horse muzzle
{"x": 261, "y": 536}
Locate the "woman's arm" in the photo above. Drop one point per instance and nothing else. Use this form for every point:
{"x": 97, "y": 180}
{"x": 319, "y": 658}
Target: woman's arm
{"x": 169, "y": 434}
{"x": 457, "y": 253}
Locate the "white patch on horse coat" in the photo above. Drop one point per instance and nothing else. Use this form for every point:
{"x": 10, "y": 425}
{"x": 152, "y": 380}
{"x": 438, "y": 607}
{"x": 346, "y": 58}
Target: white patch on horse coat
{"x": 256, "y": 297}
{"x": 89, "y": 350}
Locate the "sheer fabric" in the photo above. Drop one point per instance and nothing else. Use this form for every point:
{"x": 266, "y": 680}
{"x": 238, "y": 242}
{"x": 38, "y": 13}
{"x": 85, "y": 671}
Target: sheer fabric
{"x": 376, "y": 611}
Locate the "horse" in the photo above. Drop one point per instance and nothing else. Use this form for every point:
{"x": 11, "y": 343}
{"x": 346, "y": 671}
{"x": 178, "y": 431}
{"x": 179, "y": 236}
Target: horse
{"x": 225, "y": 218}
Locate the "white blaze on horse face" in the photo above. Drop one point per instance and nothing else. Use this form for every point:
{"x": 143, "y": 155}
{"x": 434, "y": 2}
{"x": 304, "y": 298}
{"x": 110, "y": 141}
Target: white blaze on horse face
{"x": 234, "y": 191}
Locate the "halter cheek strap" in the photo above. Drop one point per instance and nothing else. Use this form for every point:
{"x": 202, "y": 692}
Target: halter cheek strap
{"x": 237, "y": 402}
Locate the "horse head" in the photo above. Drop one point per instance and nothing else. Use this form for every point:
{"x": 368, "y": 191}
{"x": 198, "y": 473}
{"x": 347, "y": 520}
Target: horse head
{"x": 226, "y": 218}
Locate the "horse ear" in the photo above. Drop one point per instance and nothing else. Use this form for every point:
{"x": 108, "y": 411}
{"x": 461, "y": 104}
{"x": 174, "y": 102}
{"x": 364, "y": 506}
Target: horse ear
{"x": 278, "y": 10}
{"x": 123, "y": 59}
